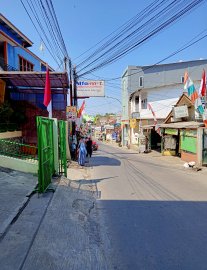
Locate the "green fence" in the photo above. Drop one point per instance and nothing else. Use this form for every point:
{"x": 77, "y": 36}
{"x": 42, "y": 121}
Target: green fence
{"x": 62, "y": 147}
{"x": 45, "y": 153}
{"x": 18, "y": 150}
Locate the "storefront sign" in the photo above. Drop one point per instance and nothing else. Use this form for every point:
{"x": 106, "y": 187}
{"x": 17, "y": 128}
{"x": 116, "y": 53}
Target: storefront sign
{"x": 90, "y": 89}
{"x": 180, "y": 111}
{"x": 71, "y": 113}
{"x": 135, "y": 115}
{"x": 171, "y": 131}
{"x": 133, "y": 123}
{"x": 189, "y": 133}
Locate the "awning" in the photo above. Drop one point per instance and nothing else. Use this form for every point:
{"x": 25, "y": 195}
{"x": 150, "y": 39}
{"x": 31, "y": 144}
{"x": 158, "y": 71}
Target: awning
{"x": 33, "y": 79}
{"x": 190, "y": 124}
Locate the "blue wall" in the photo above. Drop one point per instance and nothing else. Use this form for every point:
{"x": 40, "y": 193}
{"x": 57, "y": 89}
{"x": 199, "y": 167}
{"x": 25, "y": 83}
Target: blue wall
{"x": 13, "y": 57}
{"x": 10, "y": 34}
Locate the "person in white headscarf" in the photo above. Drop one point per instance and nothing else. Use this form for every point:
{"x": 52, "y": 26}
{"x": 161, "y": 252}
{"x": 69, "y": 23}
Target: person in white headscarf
{"x": 82, "y": 153}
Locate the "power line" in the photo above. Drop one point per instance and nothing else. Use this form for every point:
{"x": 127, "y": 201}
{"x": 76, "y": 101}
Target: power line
{"x": 162, "y": 18}
{"x": 49, "y": 49}
{"x": 46, "y": 20}
{"x": 184, "y": 47}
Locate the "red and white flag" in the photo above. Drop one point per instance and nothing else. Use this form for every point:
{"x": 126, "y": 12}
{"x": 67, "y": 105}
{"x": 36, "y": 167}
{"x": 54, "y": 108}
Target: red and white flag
{"x": 80, "y": 111}
{"x": 157, "y": 128}
{"x": 47, "y": 94}
{"x": 202, "y": 89}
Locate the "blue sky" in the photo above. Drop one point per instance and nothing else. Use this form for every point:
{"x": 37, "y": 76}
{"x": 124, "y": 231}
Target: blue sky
{"x": 84, "y": 23}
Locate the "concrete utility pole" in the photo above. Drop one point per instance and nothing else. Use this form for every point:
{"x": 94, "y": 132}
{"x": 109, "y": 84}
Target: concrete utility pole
{"x": 75, "y": 77}
{"x": 71, "y": 86}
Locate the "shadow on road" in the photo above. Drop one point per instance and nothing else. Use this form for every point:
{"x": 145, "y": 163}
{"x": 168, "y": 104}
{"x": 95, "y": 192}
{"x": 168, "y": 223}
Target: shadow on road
{"x": 156, "y": 235}
{"x": 105, "y": 161}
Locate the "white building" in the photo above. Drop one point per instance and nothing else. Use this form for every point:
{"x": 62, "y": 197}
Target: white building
{"x": 159, "y": 85}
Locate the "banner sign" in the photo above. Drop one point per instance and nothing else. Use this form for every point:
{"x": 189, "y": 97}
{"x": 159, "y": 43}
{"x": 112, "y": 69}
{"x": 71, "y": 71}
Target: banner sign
{"x": 71, "y": 113}
{"x": 90, "y": 89}
{"x": 133, "y": 123}
{"x": 135, "y": 115}
{"x": 180, "y": 111}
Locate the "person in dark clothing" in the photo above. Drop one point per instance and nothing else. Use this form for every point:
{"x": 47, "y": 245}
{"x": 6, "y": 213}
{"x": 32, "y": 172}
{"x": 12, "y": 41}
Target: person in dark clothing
{"x": 89, "y": 147}
{"x": 73, "y": 150}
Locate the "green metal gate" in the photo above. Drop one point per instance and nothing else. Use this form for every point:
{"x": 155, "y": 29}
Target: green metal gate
{"x": 45, "y": 153}
{"x": 204, "y": 156}
{"x": 62, "y": 147}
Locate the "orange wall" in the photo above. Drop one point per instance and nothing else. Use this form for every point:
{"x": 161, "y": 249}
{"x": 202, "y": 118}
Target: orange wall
{"x": 188, "y": 156}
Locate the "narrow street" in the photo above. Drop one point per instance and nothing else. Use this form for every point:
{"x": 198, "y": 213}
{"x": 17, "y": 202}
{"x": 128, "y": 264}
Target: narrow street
{"x": 123, "y": 211}
{"x": 154, "y": 212}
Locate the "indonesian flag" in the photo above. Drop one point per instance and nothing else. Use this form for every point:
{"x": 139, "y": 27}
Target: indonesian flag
{"x": 80, "y": 111}
{"x": 202, "y": 89}
{"x": 47, "y": 94}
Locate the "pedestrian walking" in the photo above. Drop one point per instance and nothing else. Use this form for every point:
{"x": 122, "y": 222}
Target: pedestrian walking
{"x": 89, "y": 147}
{"x": 82, "y": 153}
{"x": 73, "y": 150}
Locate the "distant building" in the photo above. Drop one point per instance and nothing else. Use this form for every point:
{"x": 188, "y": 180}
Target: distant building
{"x": 159, "y": 85}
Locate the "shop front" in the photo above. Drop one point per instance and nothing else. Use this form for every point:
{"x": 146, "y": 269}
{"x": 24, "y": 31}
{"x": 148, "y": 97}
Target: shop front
{"x": 171, "y": 142}
{"x": 183, "y": 139}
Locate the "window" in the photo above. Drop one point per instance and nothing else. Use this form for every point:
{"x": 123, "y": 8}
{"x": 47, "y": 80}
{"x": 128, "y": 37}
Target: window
{"x": 137, "y": 100}
{"x": 182, "y": 79}
{"x": 25, "y": 65}
{"x": 141, "y": 81}
{"x": 144, "y": 103}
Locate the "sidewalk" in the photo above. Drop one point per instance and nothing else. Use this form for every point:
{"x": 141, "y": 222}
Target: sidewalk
{"x": 15, "y": 190}
{"x": 62, "y": 234}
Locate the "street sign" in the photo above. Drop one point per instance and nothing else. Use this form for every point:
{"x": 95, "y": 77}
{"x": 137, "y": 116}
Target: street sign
{"x": 135, "y": 115}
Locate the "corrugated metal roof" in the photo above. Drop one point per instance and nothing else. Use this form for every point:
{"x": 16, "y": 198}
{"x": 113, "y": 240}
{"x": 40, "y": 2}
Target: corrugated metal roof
{"x": 32, "y": 79}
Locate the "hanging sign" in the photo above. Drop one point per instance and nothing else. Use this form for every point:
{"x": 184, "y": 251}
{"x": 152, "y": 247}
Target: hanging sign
{"x": 71, "y": 113}
{"x": 180, "y": 111}
{"x": 133, "y": 123}
{"x": 90, "y": 89}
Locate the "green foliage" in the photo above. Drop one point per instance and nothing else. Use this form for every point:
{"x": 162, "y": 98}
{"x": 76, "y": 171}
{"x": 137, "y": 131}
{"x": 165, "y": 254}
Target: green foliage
{"x": 6, "y": 112}
{"x": 12, "y": 113}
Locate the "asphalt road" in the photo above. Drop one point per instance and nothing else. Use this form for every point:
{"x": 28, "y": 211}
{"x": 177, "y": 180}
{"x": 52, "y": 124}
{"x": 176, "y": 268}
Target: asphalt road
{"x": 153, "y": 213}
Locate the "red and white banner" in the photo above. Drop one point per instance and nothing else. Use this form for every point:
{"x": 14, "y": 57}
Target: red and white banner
{"x": 157, "y": 129}
{"x": 202, "y": 89}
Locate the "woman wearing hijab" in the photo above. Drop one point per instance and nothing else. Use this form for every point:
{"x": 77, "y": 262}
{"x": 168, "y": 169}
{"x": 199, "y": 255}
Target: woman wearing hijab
{"x": 82, "y": 153}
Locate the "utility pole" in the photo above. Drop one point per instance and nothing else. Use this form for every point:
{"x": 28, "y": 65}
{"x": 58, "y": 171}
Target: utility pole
{"x": 65, "y": 63}
{"x": 75, "y": 77}
{"x": 71, "y": 86}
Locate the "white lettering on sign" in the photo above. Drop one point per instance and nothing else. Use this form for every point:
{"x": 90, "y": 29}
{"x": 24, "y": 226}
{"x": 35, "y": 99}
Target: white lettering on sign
{"x": 90, "y": 89}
